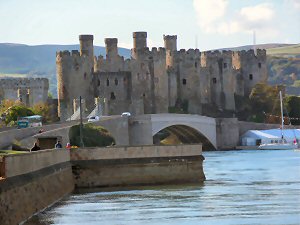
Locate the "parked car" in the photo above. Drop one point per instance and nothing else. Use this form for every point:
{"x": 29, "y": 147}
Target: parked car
{"x": 124, "y": 114}
{"x": 93, "y": 119}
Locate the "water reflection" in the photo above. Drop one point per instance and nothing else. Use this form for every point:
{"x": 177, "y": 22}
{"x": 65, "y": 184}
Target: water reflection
{"x": 242, "y": 187}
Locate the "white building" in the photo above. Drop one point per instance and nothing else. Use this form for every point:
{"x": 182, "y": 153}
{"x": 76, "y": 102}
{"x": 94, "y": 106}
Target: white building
{"x": 257, "y": 137}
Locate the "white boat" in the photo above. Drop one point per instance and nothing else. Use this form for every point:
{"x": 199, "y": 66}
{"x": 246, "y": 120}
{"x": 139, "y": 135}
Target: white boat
{"x": 281, "y": 144}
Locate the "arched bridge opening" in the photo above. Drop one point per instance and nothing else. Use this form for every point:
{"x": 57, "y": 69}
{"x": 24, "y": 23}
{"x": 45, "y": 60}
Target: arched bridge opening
{"x": 181, "y": 134}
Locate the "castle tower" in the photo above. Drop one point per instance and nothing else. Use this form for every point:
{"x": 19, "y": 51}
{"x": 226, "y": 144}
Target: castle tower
{"x": 170, "y": 42}
{"x": 111, "y": 46}
{"x": 139, "y": 42}
{"x": 86, "y": 46}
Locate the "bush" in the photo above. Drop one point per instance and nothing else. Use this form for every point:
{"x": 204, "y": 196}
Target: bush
{"x": 16, "y": 111}
{"x": 93, "y": 136}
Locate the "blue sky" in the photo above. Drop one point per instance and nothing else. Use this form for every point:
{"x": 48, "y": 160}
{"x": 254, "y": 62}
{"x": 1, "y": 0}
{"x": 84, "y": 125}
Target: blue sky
{"x": 213, "y": 23}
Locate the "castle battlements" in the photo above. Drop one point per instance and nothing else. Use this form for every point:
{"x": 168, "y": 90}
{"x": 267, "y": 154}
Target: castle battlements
{"x": 157, "y": 77}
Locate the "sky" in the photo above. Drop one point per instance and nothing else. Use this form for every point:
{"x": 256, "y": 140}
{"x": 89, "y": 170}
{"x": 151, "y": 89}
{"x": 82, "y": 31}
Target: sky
{"x": 203, "y": 24}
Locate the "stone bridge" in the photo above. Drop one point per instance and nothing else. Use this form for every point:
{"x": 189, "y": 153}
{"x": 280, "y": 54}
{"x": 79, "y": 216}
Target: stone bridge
{"x": 212, "y": 133}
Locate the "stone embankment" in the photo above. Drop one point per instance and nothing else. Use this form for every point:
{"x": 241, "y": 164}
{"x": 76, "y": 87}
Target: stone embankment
{"x": 30, "y": 182}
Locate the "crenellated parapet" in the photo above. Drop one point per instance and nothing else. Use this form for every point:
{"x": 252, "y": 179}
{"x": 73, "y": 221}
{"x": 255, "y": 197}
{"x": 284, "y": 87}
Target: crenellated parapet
{"x": 157, "y": 78}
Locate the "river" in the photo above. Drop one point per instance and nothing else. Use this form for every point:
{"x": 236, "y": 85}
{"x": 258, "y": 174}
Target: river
{"x": 242, "y": 187}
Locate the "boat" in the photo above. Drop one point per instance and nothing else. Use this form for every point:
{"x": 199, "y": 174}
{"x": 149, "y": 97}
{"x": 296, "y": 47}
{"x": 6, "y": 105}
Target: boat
{"x": 281, "y": 144}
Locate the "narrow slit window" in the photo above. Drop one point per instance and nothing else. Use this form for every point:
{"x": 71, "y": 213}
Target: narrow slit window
{"x": 225, "y": 65}
{"x": 107, "y": 82}
{"x": 250, "y": 76}
{"x": 112, "y": 96}
{"x": 116, "y": 81}
{"x": 184, "y": 81}
{"x": 259, "y": 65}
{"x": 214, "y": 80}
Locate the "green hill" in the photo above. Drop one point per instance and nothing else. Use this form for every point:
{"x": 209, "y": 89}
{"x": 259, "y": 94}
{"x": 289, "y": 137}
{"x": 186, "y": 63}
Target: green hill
{"x": 291, "y": 50}
{"x": 284, "y": 67}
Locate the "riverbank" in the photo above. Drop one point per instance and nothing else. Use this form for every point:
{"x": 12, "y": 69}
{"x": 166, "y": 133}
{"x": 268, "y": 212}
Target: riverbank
{"x": 33, "y": 181}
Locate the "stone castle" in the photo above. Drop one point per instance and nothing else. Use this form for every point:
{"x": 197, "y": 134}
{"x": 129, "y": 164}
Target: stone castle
{"x": 29, "y": 91}
{"x": 156, "y": 80}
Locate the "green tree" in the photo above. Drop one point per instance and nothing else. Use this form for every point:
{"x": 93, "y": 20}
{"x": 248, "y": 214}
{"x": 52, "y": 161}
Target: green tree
{"x": 264, "y": 99}
{"x": 16, "y": 111}
{"x": 93, "y": 136}
{"x": 293, "y": 108}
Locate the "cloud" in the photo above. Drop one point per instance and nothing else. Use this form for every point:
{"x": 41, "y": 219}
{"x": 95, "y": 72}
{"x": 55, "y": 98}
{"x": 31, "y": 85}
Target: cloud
{"x": 214, "y": 17}
{"x": 208, "y": 12}
{"x": 295, "y": 4}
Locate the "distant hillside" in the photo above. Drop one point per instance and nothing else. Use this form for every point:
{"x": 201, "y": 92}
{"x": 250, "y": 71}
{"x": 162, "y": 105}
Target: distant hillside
{"x": 284, "y": 67}
{"x": 39, "y": 59}
{"x": 261, "y": 46}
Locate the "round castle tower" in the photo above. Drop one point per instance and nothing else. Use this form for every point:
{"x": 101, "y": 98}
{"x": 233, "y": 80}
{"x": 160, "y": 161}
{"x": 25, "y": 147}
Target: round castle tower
{"x": 139, "y": 42}
{"x": 86, "y": 46}
{"x": 111, "y": 46}
{"x": 170, "y": 42}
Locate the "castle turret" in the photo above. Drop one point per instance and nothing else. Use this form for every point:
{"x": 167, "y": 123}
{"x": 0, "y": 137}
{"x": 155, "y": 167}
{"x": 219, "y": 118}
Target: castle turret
{"x": 86, "y": 46}
{"x": 139, "y": 44}
{"x": 139, "y": 40}
{"x": 111, "y": 45}
{"x": 170, "y": 42}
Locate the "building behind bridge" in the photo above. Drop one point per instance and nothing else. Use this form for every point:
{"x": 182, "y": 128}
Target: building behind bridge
{"x": 155, "y": 81}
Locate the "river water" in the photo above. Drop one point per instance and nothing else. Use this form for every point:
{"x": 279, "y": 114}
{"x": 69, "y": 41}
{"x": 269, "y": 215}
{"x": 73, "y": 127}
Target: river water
{"x": 242, "y": 187}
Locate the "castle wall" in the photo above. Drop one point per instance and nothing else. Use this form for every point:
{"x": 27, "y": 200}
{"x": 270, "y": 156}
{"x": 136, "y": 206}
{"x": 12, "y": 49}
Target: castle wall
{"x": 161, "y": 85}
{"x": 253, "y": 67}
{"x": 30, "y": 91}
{"x": 151, "y": 81}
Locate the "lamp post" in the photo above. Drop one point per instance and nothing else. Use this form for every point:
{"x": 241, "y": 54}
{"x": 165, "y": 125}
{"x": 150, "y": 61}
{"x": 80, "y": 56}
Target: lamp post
{"x": 81, "y": 125}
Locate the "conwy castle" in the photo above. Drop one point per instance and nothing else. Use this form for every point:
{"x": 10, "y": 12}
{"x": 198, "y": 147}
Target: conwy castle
{"x": 156, "y": 80}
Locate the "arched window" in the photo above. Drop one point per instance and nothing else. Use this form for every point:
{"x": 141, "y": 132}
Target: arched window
{"x": 107, "y": 82}
{"x": 184, "y": 81}
{"x": 116, "y": 81}
{"x": 214, "y": 80}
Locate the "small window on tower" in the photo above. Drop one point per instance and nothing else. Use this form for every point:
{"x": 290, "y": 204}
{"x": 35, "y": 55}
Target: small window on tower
{"x": 116, "y": 81}
{"x": 214, "y": 80}
{"x": 259, "y": 65}
{"x": 196, "y": 64}
{"x": 225, "y": 65}
{"x": 112, "y": 96}
{"x": 184, "y": 81}
{"x": 98, "y": 82}
{"x": 84, "y": 76}
{"x": 250, "y": 76}
{"x": 107, "y": 82}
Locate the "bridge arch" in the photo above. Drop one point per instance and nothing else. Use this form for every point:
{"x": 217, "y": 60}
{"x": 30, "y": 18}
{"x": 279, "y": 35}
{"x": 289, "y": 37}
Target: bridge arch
{"x": 181, "y": 134}
{"x": 200, "y": 128}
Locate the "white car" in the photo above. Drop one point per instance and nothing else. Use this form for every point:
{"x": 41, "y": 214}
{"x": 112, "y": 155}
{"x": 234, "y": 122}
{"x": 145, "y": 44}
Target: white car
{"x": 93, "y": 119}
{"x": 126, "y": 114}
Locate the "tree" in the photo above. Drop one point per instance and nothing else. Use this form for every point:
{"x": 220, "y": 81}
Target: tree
{"x": 293, "y": 108}
{"x": 43, "y": 110}
{"x": 264, "y": 99}
{"x": 16, "y": 111}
